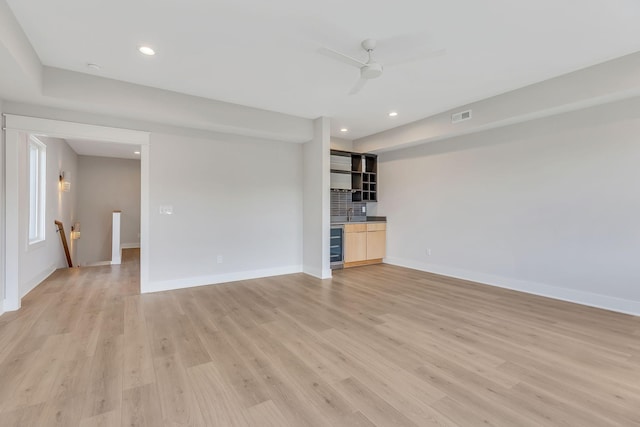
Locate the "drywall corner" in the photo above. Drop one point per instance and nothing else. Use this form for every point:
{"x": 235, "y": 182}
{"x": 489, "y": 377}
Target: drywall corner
{"x": 316, "y": 201}
{"x": 2, "y": 224}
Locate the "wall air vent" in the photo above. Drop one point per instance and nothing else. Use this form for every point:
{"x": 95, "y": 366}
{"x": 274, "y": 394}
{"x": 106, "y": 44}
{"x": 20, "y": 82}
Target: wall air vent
{"x": 461, "y": 116}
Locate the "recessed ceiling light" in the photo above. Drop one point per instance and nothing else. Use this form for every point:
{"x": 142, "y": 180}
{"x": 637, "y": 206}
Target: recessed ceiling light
{"x": 92, "y": 66}
{"x": 344, "y": 130}
{"x": 136, "y": 152}
{"x": 146, "y": 50}
{"x": 393, "y": 113}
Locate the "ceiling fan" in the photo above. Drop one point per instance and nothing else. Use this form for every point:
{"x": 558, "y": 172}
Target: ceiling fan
{"x": 371, "y": 69}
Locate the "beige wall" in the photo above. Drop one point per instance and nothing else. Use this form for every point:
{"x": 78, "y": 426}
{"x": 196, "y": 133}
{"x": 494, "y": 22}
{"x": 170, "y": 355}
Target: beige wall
{"x": 106, "y": 184}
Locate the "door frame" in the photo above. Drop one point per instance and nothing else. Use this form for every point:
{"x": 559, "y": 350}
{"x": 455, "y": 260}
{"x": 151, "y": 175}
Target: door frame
{"x": 16, "y": 125}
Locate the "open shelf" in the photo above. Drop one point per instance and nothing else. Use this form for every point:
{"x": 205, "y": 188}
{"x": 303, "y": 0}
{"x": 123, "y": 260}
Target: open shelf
{"x": 364, "y": 169}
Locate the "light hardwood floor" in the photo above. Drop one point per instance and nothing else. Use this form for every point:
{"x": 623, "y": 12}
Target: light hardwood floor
{"x": 377, "y": 345}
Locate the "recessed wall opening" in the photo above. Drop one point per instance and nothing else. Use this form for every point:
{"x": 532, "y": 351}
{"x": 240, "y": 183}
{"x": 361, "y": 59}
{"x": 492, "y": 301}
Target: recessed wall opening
{"x": 107, "y": 201}
{"x": 64, "y": 184}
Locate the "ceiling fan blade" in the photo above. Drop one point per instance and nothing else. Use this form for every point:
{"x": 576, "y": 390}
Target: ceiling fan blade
{"x": 341, "y": 57}
{"x": 358, "y": 87}
{"x": 420, "y": 57}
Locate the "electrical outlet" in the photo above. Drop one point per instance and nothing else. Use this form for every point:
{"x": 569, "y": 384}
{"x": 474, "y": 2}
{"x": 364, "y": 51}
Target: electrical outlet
{"x": 428, "y": 251}
{"x": 364, "y": 209}
{"x": 220, "y": 259}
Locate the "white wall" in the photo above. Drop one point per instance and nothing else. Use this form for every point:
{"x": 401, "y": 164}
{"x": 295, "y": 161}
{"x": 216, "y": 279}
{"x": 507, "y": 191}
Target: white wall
{"x": 238, "y": 200}
{"x": 106, "y": 184}
{"x": 341, "y": 144}
{"x": 316, "y": 155}
{"x": 599, "y": 84}
{"x": 225, "y": 189}
{"x": 2, "y": 217}
{"x": 550, "y": 207}
{"x": 39, "y": 260}
{"x": 146, "y": 103}
{"x": 19, "y": 62}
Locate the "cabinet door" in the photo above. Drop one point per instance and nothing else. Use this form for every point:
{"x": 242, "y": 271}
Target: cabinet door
{"x": 354, "y": 228}
{"x": 376, "y": 244}
{"x": 355, "y": 247}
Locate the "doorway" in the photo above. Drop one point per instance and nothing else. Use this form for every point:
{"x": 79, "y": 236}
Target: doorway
{"x": 20, "y": 127}
{"x": 107, "y": 201}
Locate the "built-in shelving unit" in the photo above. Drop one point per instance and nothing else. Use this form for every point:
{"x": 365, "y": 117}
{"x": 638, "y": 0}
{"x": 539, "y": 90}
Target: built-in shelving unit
{"x": 364, "y": 177}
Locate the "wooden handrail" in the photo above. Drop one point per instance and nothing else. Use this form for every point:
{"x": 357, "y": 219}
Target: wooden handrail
{"x": 63, "y": 237}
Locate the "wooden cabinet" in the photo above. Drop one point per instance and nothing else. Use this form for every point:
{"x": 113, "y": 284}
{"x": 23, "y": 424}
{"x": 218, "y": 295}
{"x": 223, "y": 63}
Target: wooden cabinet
{"x": 364, "y": 244}
{"x": 355, "y": 245}
{"x": 376, "y": 241}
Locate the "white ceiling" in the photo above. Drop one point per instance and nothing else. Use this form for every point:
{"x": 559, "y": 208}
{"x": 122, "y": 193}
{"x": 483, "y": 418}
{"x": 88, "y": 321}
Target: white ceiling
{"x": 85, "y": 147}
{"x": 263, "y": 53}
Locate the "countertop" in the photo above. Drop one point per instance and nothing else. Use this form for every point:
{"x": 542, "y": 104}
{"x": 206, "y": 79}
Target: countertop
{"x": 368, "y": 220}
{"x": 358, "y": 222}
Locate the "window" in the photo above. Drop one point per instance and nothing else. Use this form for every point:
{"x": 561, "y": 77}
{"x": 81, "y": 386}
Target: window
{"x": 37, "y": 189}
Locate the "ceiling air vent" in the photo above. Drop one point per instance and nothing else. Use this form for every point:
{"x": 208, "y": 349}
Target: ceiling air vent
{"x": 461, "y": 116}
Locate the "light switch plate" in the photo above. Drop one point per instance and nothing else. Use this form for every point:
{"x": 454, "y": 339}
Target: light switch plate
{"x": 166, "y": 210}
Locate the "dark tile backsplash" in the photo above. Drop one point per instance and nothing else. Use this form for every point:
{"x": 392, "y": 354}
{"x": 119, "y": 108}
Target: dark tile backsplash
{"x": 341, "y": 202}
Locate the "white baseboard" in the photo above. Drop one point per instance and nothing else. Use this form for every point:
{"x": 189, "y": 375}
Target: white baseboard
{"x": 9, "y": 306}
{"x": 97, "y": 264}
{"x": 35, "y": 281}
{"x": 190, "y": 282}
{"x": 317, "y": 273}
{"x": 564, "y": 294}
{"x": 130, "y": 245}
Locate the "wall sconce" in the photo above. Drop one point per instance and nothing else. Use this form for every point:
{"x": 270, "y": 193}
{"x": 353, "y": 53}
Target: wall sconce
{"x": 64, "y": 184}
{"x": 75, "y": 231}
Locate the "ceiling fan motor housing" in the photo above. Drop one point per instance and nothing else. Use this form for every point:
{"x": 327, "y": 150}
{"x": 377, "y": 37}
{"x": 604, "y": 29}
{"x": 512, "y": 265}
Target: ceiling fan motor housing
{"x": 371, "y": 70}
{"x": 369, "y": 44}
